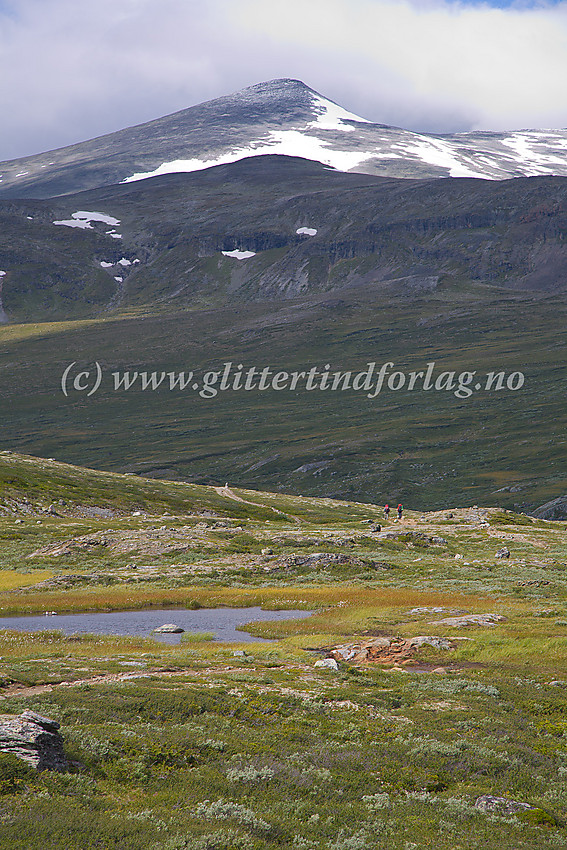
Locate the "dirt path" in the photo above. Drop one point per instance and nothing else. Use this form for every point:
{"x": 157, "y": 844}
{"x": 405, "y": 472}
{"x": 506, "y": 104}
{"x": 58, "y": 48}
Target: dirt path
{"x": 230, "y": 494}
{"x": 108, "y": 678}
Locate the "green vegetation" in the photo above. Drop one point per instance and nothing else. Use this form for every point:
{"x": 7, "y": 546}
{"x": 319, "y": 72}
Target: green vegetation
{"x": 202, "y": 745}
{"x": 425, "y": 449}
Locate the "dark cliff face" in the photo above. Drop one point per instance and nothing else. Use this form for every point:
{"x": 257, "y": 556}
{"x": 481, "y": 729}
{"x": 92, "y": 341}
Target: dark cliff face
{"x": 370, "y": 231}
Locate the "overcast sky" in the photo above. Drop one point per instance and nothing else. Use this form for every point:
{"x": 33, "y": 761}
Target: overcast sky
{"x": 71, "y": 69}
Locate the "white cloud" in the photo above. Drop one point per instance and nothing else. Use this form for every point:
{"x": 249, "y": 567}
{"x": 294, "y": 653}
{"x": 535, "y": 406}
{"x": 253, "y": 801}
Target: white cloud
{"x": 71, "y": 70}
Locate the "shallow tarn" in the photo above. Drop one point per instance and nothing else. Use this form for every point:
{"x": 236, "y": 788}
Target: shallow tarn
{"x": 221, "y": 622}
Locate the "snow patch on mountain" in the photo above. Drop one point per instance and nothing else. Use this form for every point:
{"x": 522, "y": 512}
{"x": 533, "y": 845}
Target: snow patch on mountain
{"x": 239, "y": 255}
{"x": 438, "y": 152}
{"x": 283, "y": 142}
{"x": 73, "y": 222}
{"x": 83, "y": 219}
{"x": 332, "y": 116}
{"x": 525, "y": 146}
{"x": 306, "y": 231}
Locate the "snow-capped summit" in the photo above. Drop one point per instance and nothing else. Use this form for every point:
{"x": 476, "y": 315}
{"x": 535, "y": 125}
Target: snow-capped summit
{"x": 286, "y": 117}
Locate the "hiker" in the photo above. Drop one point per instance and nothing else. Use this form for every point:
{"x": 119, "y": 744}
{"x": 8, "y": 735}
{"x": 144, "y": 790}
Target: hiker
{"x": 400, "y": 509}
{"x": 386, "y": 511}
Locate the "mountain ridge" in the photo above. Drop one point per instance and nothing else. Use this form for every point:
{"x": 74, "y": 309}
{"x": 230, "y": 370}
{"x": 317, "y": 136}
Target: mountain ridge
{"x": 282, "y": 116}
{"x": 276, "y": 228}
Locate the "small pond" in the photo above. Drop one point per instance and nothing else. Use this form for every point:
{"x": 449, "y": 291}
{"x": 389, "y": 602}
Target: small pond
{"x": 221, "y": 622}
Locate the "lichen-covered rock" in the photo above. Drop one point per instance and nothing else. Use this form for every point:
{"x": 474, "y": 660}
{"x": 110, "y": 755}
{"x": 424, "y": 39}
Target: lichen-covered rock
{"x": 386, "y": 650}
{"x": 328, "y": 663}
{"x": 503, "y": 553}
{"x": 169, "y": 629}
{"x": 470, "y": 620}
{"x": 34, "y": 739}
{"x": 501, "y": 805}
{"x": 429, "y": 640}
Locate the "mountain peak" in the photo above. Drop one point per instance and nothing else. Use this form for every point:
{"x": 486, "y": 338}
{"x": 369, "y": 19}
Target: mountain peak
{"x": 283, "y": 116}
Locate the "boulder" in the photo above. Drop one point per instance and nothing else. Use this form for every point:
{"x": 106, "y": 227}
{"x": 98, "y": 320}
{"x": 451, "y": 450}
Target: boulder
{"x": 501, "y": 805}
{"x": 503, "y": 553}
{"x": 328, "y": 663}
{"x": 34, "y": 739}
{"x": 169, "y": 629}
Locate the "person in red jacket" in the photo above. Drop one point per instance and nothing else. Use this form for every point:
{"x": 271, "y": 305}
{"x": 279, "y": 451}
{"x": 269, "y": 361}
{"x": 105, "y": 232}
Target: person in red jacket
{"x": 400, "y": 509}
{"x": 386, "y": 511}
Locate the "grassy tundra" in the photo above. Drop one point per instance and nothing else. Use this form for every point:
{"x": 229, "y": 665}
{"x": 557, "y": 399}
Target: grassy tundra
{"x": 203, "y": 745}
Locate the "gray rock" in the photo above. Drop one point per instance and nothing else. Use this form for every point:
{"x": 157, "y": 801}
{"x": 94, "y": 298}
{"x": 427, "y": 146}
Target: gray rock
{"x": 501, "y": 805}
{"x": 316, "y": 560}
{"x": 429, "y": 640}
{"x": 503, "y": 553}
{"x": 34, "y": 739}
{"x": 470, "y": 620}
{"x": 328, "y": 663}
{"x": 169, "y": 629}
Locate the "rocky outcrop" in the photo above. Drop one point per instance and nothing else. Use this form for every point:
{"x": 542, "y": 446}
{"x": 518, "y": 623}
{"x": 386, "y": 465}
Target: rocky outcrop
{"x": 470, "y": 620}
{"x": 34, "y": 739}
{"x": 416, "y": 537}
{"x": 554, "y": 510}
{"x": 385, "y": 650}
{"x": 501, "y": 805}
{"x": 318, "y": 560}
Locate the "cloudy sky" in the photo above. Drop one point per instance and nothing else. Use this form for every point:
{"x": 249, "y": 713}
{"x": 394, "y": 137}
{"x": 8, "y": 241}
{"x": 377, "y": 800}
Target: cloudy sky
{"x": 71, "y": 70}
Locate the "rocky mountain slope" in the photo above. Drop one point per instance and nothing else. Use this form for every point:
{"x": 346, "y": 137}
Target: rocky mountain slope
{"x": 276, "y": 228}
{"x": 283, "y": 117}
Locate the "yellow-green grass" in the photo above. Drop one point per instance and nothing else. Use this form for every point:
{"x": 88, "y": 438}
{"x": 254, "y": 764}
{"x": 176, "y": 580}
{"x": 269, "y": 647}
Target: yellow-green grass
{"x": 340, "y": 614}
{"x": 11, "y": 580}
{"x": 359, "y": 603}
